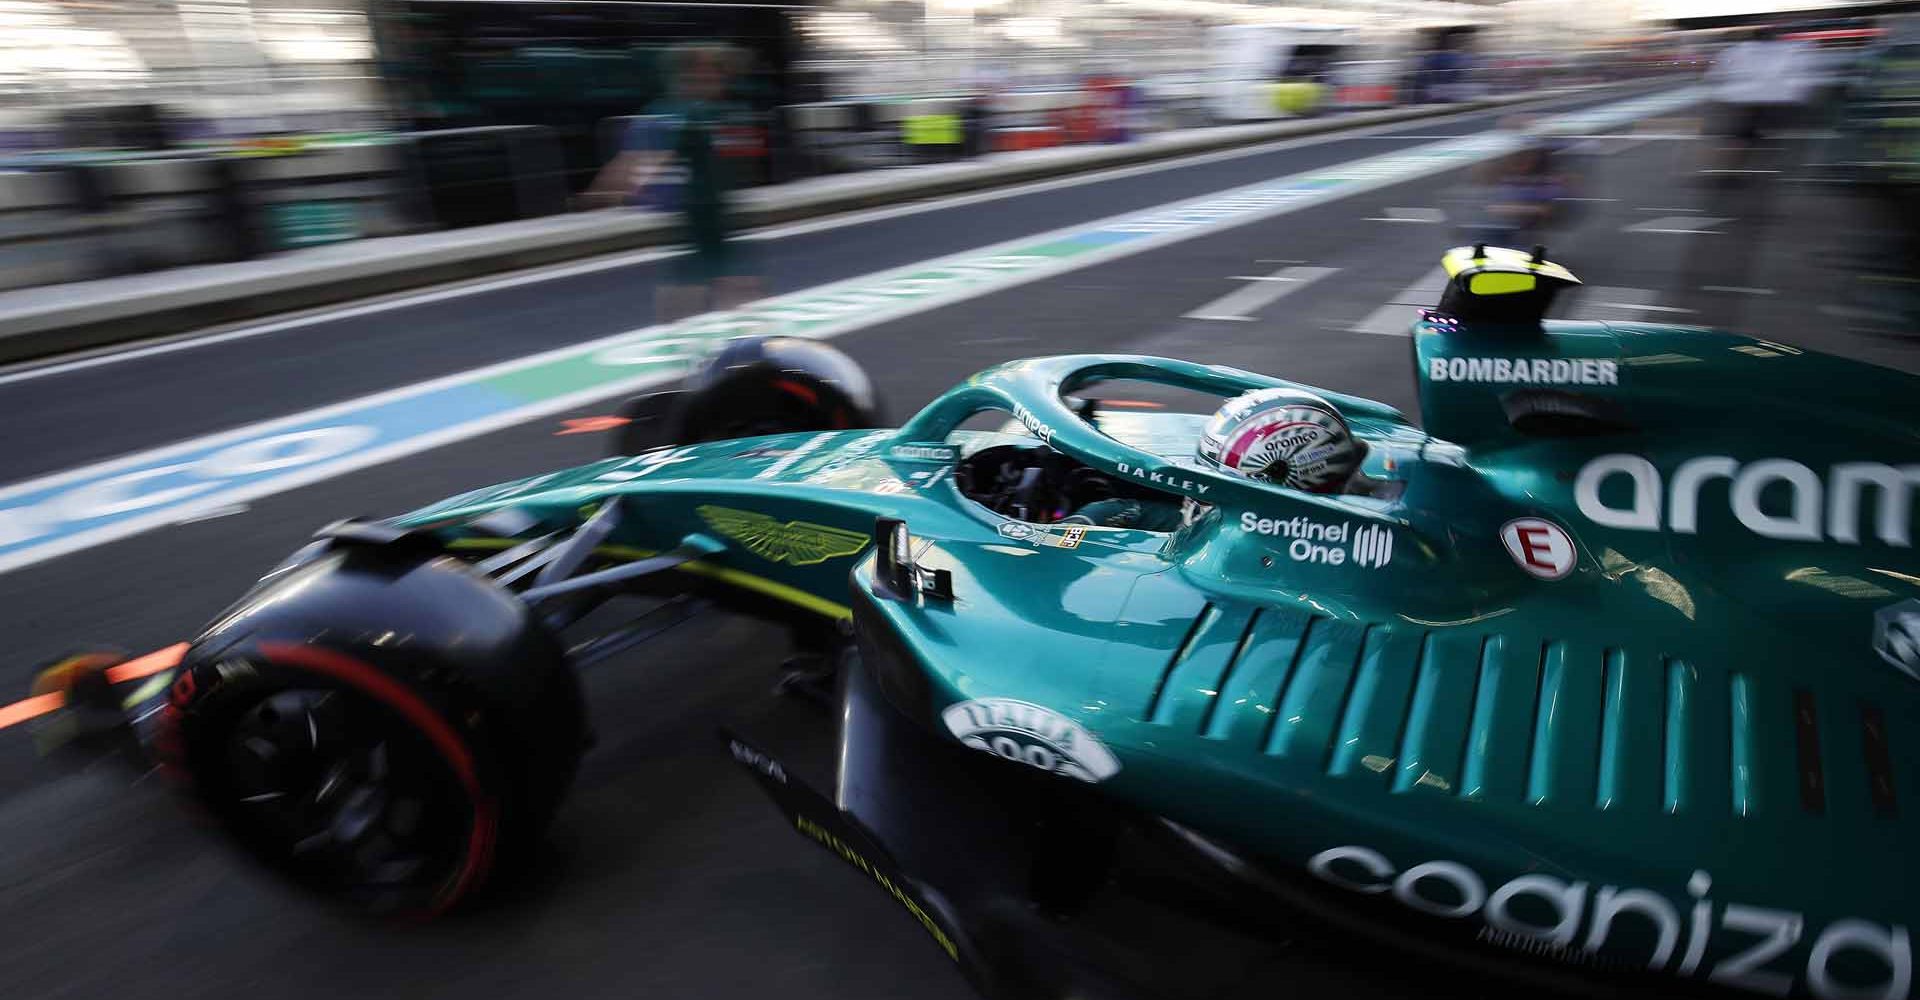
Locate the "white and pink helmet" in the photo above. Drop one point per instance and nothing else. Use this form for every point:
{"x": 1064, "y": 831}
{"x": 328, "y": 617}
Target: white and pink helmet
{"x": 1283, "y": 436}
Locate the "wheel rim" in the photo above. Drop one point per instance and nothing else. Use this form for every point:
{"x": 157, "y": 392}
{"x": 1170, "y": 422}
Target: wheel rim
{"x": 349, "y": 795}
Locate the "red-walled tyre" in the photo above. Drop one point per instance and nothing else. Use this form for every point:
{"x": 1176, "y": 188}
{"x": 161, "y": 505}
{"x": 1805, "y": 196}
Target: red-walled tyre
{"x": 389, "y": 731}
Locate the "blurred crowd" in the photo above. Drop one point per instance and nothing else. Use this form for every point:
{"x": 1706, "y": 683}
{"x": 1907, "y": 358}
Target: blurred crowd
{"x": 501, "y": 111}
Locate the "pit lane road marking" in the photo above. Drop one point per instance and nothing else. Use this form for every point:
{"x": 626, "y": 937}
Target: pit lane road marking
{"x": 1395, "y": 319}
{"x": 92, "y": 505}
{"x": 1240, "y": 304}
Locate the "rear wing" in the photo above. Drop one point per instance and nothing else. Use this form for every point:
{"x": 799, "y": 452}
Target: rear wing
{"x": 1500, "y": 291}
{"x": 1490, "y": 367}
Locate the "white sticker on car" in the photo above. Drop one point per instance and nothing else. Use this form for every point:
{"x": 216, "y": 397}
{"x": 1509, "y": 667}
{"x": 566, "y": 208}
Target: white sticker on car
{"x": 1031, "y": 734}
{"x": 1540, "y": 547}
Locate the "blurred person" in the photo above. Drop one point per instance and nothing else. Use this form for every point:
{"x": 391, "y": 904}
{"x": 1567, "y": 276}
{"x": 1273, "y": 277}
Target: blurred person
{"x": 1526, "y": 189}
{"x": 1432, "y": 76}
{"x": 680, "y": 133}
{"x": 982, "y": 113}
{"x": 1758, "y": 84}
{"x": 1445, "y": 72}
{"x": 1877, "y": 144}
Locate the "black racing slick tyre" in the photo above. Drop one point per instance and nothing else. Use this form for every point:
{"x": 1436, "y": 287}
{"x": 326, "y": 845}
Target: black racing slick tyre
{"x": 753, "y": 386}
{"x": 395, "y": 772}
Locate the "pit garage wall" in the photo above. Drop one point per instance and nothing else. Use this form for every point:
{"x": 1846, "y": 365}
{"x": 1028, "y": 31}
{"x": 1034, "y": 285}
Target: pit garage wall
{"x": 218, "y": 67}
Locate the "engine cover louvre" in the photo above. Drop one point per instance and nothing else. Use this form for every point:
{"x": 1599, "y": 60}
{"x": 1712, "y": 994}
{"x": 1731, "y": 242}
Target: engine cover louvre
{"x": 1522, "y": 720}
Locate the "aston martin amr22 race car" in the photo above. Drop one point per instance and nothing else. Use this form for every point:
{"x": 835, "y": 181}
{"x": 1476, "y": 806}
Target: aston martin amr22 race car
{"x": 1605, "y": 677}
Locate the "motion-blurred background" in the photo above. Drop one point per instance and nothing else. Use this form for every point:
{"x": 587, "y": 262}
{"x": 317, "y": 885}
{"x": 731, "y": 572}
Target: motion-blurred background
{"x": 364, "y": 229}
{"x": 145, "y": 134}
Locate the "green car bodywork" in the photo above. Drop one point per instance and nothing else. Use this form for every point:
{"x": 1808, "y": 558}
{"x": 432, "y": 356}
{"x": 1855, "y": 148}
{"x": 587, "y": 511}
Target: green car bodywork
{"x": 1622, "y": 675}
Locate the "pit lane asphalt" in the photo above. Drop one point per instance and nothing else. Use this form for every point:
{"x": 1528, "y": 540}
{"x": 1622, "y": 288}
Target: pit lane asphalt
{"x": 668, "y": 876}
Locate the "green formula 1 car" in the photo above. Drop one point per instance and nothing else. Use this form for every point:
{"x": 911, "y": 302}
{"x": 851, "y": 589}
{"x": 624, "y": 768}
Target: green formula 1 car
{"x": 1608, "y": 677}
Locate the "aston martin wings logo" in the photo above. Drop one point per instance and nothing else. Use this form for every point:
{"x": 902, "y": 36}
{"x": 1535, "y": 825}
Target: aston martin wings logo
{"x": 798, "y": 543}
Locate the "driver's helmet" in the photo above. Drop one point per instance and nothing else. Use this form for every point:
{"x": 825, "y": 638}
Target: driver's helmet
{"x": 1283, "y": 436}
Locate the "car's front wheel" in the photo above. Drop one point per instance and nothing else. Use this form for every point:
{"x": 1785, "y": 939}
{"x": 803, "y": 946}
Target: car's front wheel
{"x": 360, "y": 791}
{"x": 390, "y": 732}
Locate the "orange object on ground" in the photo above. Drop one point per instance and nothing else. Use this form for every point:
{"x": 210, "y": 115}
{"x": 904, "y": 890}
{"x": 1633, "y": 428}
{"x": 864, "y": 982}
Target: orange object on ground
{"x": 50, "y": 686}
{"x": 590, "y": 425}
{"x": 31, "y": 708}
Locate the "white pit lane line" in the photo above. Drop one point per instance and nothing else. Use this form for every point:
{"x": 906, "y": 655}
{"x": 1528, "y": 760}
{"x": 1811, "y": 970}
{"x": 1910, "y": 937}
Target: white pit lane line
{"x": 1263, "y": 290}
{"x": 1680, "y": 225}
{"x": 92, "y": 505}
{"x": 112, "y": 355}
{"x": 1395, "y": 318}
{"x": 1602, "y": 303}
